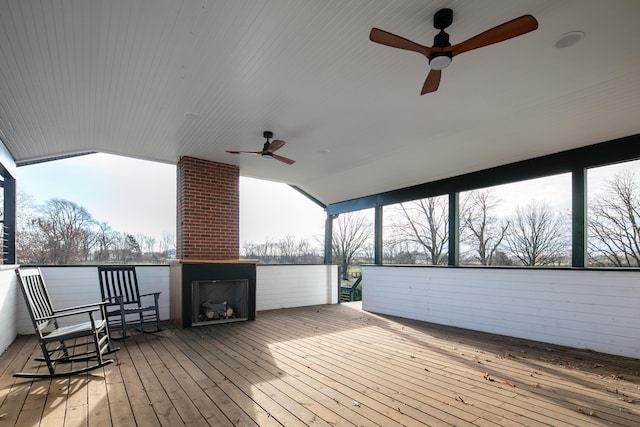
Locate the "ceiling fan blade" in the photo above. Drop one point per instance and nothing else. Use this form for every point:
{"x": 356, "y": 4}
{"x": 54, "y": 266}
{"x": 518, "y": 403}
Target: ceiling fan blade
{"x": 383, "y": 37}
{"x": 276, "y": 144}
{"x": 283, "y": 159}
{"x": 245, "y": 152}
{"x": 432, "y": 82}
{"x": 506, "y": 31}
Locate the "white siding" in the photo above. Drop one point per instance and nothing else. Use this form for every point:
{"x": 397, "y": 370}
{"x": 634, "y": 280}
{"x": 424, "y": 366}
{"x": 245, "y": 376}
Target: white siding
{"x": 278, "y": 286}
{"x": 593, "y": 309}
{"x": 8, "y": 302}
{"x": 285, "y": 286}
{"x": 71, "y": 286}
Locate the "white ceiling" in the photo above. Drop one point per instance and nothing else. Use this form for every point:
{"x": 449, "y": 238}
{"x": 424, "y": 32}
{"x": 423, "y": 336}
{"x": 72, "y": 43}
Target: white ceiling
{"x": 118, "y": 76}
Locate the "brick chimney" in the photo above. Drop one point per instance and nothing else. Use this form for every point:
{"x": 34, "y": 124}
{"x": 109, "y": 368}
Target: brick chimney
{"x": 208, "y": 210}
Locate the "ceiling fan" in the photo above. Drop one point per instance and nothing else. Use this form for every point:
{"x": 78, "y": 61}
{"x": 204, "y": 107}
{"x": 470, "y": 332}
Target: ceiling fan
{"x": 442, "y": 52}
{"x": 268, "y": 149}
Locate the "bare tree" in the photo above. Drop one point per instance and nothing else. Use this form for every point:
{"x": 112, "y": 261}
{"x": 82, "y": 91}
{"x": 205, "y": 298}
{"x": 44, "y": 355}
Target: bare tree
{"x": 105, "y": 240}
{"x": 61, "y": 232}
{"x": 147, "y": 243}
{"x": 287, "y": 249}
{"x": 30, "y": 244}
{"x": 87, "y": 241}
{"x": 537, "y": 235}
{"x": 614, "y": 223}
{"x": 66, "y": 226}
{"x": 167, "y": 244}
{"x": 425, "y": 225}
{"x": 351, "y": 232}
{"x": 398, "y": 251}
{"x": 479, "y": 228}
{"x": 265, "y": 251}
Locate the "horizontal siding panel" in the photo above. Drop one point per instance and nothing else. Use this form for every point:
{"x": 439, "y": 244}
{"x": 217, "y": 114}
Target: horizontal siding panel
{"x": 8, "y": 303}
{"x": 598, "y": 310}
{"x": 71, "y": 286}
{"x": 285, "y": 286}
{"x": 282, "y": 286}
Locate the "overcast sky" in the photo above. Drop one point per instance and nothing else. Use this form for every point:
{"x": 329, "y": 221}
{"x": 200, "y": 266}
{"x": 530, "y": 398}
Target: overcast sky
{"x": 136, "y": 196}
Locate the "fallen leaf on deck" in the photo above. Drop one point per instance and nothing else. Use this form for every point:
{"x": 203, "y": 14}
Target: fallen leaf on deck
{"x": 355, "y": 403}
{"x": 487, "y": 377}
{"x": 458, "y": 398}
{"x": 508, "y": 383}
{"x": 582, "y": 411}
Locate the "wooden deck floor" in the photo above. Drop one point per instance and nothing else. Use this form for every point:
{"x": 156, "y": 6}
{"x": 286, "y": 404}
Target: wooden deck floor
{"x": 327, "y": 365}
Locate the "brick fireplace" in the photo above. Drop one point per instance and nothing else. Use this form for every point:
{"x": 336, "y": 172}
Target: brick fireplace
{"x": 209, "y": 279}
{"x": 208, "y": 210}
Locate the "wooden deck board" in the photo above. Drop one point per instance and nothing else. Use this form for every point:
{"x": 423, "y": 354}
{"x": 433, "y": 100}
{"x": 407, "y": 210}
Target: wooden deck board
{"x": 327, "y": 365}
{"x": 396, "y": 370}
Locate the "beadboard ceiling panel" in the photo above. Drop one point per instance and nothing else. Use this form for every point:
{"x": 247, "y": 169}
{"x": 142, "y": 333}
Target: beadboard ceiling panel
{"x": 161, "y": 79}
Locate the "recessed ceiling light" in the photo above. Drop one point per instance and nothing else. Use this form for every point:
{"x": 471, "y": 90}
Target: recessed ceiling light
{"x": 569, "y": 39}
{"x": 192, "y": 115}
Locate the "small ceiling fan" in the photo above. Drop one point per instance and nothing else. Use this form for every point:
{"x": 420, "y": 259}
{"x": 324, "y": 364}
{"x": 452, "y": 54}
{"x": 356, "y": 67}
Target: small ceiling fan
{"x": 442, "y": 52}
{"x": 268, "y": 149}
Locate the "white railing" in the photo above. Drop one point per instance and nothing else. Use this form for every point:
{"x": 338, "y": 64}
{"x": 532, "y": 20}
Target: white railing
{"x": 8, "y": 306}
{"x": 287, "y": 286}
{"x": 592, "y": 309}
{"x": 278, "y": 286}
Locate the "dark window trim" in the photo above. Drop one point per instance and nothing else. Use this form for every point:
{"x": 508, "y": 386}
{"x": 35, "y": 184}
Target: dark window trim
{"x": 575, "y": 161}
{"x": 8, "y": 231}
{"x": 604, "y": 153}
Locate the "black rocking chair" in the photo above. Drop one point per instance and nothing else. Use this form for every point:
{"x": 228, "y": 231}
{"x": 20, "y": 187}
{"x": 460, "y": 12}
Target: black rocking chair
{"x": 119, "y": 287}
{"x": 87, "y": 341}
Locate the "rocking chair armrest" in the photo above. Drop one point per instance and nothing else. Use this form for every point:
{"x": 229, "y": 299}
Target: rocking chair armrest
{"x": 66, "y": 313}
{"x": 95, "y": 306}
{"x": 150, "y": 293}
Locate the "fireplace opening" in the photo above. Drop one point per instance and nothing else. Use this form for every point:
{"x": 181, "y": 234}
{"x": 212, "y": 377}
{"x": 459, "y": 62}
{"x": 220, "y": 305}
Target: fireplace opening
{"x": 219, "y": 301}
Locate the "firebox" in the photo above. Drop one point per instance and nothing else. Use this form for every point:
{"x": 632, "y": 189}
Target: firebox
{"x": 205, "y": 292}
{"x": 217, "y": 301}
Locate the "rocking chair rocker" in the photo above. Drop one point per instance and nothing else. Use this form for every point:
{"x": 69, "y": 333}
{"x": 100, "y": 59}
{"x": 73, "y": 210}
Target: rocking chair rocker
{"x": 87, "y": 341}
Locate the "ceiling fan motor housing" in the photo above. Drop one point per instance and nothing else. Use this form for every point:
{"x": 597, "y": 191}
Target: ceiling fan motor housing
{"x": 267, "y": 134}
{"x": 440, "y": 60}
{"x": 441, "y": 20}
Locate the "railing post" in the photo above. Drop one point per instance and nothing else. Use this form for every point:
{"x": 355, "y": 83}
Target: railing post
{"x": 328, "y": 238}
{"x": 9, "y": 221}
{"x": 454, "y": 228}
{"x": 578, "y": 217}
{"x": 378, "y": 243}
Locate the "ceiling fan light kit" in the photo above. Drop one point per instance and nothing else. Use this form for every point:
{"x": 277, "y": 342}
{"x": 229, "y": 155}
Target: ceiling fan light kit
{"x": 441, "y": 54}
{"x": 439, "y": 62}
